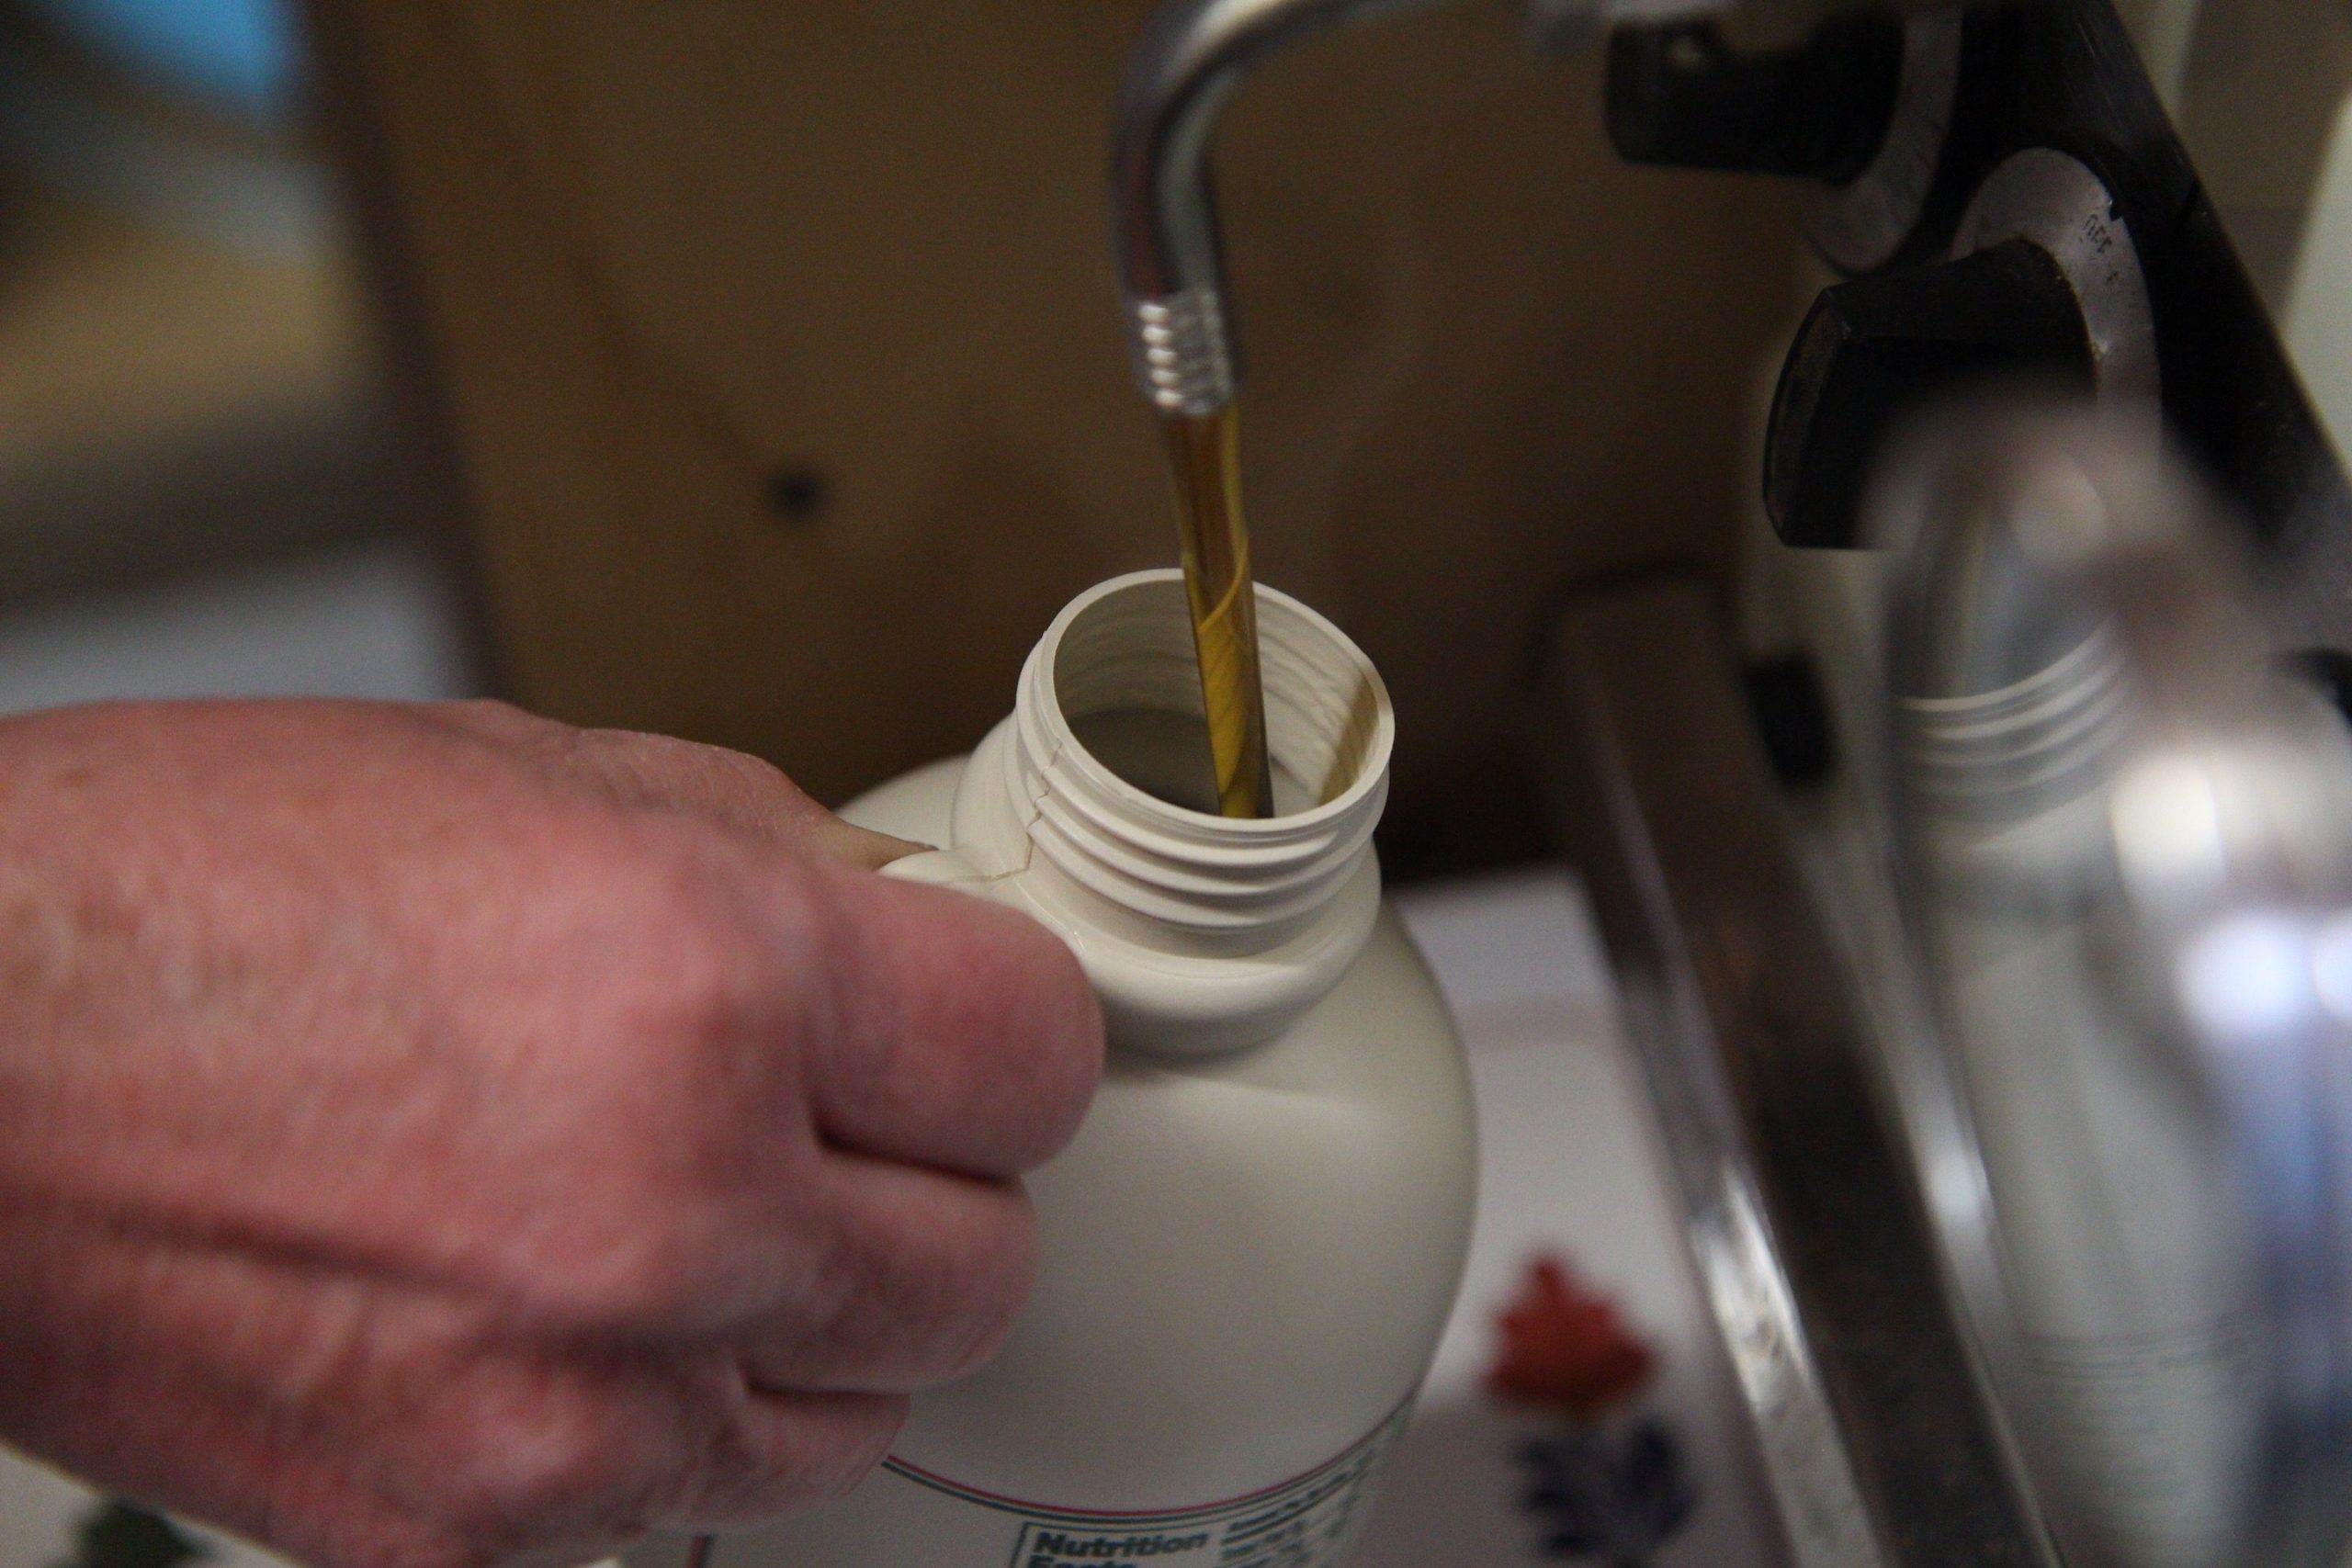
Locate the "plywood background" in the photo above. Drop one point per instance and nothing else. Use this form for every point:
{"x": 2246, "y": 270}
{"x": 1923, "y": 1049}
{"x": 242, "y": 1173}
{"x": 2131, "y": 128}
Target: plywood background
{"x": 776, "y": 354}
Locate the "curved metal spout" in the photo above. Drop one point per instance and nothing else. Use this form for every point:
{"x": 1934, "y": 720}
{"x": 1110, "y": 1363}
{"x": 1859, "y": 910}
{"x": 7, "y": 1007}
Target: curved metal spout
{"x": 1192, "y": 56}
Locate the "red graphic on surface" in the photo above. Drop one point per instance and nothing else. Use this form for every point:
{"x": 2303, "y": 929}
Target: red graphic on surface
{"x": 1564, "y": 1349}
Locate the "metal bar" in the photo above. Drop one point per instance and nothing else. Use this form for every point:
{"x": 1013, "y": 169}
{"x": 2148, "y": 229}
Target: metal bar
{"x": 1808, "y": 1231}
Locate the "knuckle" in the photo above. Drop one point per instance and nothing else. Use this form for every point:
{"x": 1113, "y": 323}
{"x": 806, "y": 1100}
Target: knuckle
{"x": 526, "y": 1455}
{"x": 640, "y": 1273}
{"x": 492, "y": 720}
{"x": 687, "y": 1081}
{"x": 993, "y": 1288}
{"x": 374, "y": 1533}
{"x": 497, "y": 711}
{"x": 691, "y": 996}
{"x": 840, "y": 1471}
{"x": 436, "y": 1546}
{"x": 782, "y": 1455}
{"x": 937, "y": 1296}
{"x": 690, "y": 923}
{"x": 1063, "y": 1035}
{"x": 573, "y": 1457}
{"x": 674, "y": 1251}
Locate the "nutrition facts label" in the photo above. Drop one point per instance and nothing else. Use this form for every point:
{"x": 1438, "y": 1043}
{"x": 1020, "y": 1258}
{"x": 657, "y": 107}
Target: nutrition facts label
{"x": 1306, "y": 1523}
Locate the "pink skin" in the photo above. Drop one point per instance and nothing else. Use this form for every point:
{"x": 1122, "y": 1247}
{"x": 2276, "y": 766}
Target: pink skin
{"x": 434, "y": 1136}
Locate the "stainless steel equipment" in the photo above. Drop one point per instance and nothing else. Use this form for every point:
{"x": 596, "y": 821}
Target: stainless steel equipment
{"x": 2082, "y": 863}
{"x": 1193, "y": 57}
{"x": 1992, "y": 959}
{"x": 2125, "y": 852}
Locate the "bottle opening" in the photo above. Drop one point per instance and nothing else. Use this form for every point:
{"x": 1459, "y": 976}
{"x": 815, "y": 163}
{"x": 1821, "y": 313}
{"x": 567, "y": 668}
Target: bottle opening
{"x": 1202, "y": 932}
{"x": 1166, "y": 754}
{"x": 1128, "y": 686}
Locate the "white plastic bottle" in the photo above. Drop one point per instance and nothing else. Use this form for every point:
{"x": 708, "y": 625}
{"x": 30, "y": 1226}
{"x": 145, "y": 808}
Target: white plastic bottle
{"x": 1253, "y": 1242}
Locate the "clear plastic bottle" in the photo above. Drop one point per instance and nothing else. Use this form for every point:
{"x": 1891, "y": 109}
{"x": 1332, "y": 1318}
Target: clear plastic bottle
{"x": 2121, "y": 1238}
{"x": 1252, "y": 1245}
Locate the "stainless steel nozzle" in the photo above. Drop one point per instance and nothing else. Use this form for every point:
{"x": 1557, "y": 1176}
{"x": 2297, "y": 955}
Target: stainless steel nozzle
{"x": 1192, "y": 56}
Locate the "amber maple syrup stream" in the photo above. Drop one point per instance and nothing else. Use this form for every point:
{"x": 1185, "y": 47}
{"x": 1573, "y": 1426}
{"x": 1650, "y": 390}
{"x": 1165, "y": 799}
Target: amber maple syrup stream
{"x": 1205, "y": 454}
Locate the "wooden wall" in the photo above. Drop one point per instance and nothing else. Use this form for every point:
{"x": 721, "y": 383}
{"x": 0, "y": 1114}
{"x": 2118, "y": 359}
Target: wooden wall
{"x": 775, "y": 354}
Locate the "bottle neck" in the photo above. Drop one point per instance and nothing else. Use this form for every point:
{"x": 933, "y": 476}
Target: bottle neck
{"x": 1201, "y": 931}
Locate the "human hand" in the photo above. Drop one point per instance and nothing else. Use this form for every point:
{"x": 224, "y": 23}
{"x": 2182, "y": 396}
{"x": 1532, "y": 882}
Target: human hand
{"x": 436, "y": 1136}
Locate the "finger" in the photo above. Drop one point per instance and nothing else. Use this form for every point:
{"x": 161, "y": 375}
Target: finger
{"x": 758, "y": 1456}
{"x": 918, "y": 1281}
{"x": 590, "y": 1445}
{"x": 775, "y": 1454}
{"x": 965, "y": 1035}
